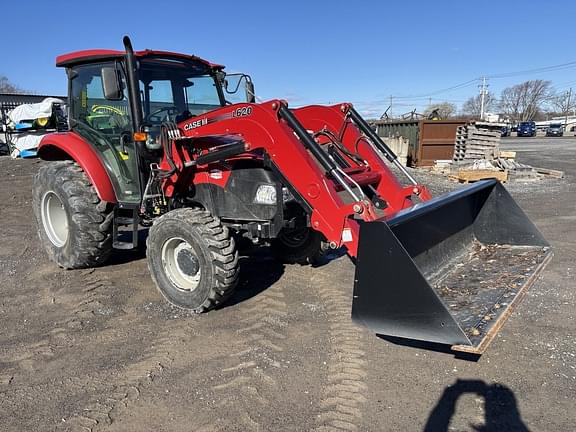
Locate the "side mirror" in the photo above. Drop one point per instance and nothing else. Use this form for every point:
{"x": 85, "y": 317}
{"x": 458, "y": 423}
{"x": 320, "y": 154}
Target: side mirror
{"x": 249, "y": 88}
{"x": 111, "y": 84}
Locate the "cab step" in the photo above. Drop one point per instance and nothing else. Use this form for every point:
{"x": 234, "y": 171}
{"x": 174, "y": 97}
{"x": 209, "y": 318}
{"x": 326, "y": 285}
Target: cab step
{"x": 125, "y": 217}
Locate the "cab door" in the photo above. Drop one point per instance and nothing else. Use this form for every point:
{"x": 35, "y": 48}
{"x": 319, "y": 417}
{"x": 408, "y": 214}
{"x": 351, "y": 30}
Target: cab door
{"x": 107, "y": 125}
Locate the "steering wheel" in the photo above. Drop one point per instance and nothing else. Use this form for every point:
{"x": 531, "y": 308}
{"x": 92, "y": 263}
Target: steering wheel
{"x": 106, "y": 109}
{"x": 170, "y": 110}
{"x": 116, "y": 117}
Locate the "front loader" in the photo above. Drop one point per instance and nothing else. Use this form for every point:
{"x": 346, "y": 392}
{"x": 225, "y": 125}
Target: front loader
{"x": 156, "y": 140}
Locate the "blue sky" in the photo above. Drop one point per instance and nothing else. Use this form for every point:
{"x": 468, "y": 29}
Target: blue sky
{"x": 311, "y": 51}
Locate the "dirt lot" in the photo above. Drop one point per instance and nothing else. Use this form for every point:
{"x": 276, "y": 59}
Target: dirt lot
{"x": 100, "y": 350}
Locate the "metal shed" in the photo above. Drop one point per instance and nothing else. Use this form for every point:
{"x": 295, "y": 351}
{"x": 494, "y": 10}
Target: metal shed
{"x": 430, "y": 140}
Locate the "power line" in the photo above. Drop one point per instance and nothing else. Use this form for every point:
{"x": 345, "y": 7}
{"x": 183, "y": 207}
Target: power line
{"x": 561, "y": 85}
{"x": 426, "y": 95}
{"x": 416, "y": 99}
{"x": 410, "y": 100}
{"x": 553, "y": 68}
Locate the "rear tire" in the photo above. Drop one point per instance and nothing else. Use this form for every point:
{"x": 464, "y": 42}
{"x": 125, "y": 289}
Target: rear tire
{"x": 299, "y": 246}
{"x": 74, "y": 224}
{"x": 192, "y": 259}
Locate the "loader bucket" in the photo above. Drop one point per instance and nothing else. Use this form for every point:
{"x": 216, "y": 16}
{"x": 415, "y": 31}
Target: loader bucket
{"x": 449, "y": 270}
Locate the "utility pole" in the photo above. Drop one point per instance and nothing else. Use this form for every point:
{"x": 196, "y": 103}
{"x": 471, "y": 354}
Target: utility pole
{"x": 483, "y": 92}
{"x": 391, "y": 106}
{"x": 567, "y": 108}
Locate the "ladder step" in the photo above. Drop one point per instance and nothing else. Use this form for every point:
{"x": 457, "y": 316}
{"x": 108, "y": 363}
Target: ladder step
{"x": 123, "y": 245}
{"x": 130, "y": 221}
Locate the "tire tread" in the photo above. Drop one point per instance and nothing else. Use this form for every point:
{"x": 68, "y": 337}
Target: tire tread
{"x": 90, "y": 216}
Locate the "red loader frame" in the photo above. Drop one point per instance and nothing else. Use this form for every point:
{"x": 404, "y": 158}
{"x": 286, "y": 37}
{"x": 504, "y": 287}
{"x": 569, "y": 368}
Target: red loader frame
{"x": 284, "y": 136}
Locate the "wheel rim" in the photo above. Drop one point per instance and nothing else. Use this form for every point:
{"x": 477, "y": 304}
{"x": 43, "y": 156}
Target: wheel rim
{"x": 54, "y": 219}
{"x": 181, "y": 264}
{"x": 295, "y": 238}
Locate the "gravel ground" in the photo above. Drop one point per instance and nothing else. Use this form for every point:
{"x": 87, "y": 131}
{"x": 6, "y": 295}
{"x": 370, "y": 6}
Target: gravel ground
{"x": 100, "y": 350}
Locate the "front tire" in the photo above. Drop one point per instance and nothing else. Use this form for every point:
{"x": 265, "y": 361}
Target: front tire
{"x": 74, "y": 224}
{"x": 192, "y": 259}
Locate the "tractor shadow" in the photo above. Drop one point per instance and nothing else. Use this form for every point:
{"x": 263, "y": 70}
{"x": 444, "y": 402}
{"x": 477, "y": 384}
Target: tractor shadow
{"x": 500, "y": 408}
{"x": 258, "y": 272}
{"x": 120, "y": 256}
{"x": 258, "y": 268}
{"x": 430, "y": 346}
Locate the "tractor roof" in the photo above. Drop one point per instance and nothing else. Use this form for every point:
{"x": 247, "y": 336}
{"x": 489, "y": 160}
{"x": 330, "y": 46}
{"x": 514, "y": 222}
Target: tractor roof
{"x": 87, "y": 56}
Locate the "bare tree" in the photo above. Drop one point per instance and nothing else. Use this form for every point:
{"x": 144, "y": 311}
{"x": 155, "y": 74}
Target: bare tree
{"x": 524, "y": 101}
{"x": 7, "y": 87}
{"x": 473, "y": 106}
{"x": 442, "y": 110}
{"x": 563, "y": 103}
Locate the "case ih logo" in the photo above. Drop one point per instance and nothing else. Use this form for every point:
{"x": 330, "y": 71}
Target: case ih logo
{"x": 196, "y": 123}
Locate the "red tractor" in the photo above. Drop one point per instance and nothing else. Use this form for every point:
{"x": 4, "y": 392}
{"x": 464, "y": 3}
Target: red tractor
{"x": 155, "y": 141}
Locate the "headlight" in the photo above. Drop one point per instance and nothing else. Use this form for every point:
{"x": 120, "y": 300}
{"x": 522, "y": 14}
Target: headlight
{"x": 265, "y": 194}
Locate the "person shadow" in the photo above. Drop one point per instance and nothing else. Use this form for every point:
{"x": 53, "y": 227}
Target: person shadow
{"x": 501, "y": 409}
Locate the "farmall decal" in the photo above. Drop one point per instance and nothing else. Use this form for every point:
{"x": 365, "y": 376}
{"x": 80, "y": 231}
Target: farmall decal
{"x": 243, "y": 111}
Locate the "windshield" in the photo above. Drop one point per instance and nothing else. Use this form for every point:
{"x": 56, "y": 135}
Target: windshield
{"x": 555, "y": 126}
{"x": 176, "y": 90}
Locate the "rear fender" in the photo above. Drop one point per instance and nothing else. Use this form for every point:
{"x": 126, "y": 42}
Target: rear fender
{"x": 70, "y": 146}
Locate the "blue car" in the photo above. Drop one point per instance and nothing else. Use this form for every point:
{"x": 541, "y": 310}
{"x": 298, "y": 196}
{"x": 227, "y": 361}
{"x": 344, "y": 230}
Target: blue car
{"x": 526, "y": 129}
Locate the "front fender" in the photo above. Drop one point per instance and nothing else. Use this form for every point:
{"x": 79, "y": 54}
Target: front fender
{"x": 69, "y": 145}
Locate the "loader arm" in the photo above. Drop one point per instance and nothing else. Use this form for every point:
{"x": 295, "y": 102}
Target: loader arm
{"x": 336, "y": 119}
{"x": 265, "y": 133}
{"x": 272, "y": 129}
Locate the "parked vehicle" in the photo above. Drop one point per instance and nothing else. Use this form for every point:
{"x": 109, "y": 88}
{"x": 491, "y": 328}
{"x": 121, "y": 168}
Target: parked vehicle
{"x": 505, "y": 131}
{"x": 555, "y": 129}
{"x": 526, "y": 129}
